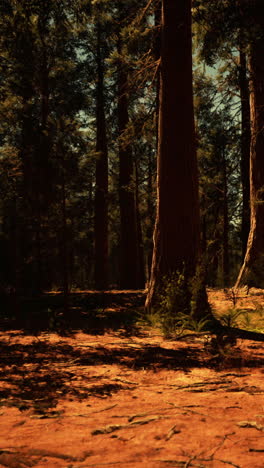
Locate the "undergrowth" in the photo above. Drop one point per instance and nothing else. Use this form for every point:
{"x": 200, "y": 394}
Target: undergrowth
{"x": 247, "y": 318}
{"x": 176, "y": 309}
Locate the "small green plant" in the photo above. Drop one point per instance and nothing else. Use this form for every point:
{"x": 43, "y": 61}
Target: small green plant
{"x": 229, "y": 319}
{"x": 248, "y": 319}
{"x": 176, "y": 311}
{"x": 253, "y": 319}
{"x": 151, "y": 319}
{"x": 174, "y": 294}
{"x": 182, "y": 323}
{"x": 174, "y": 303}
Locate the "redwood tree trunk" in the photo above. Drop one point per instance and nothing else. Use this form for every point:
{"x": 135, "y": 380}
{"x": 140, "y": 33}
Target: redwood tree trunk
{"x": 176, "y": 236}
{"x": 252, "y": 271}
{"x": 101, "y": 189}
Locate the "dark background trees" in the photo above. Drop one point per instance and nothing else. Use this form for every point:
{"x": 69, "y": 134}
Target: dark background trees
{"x": 79, "y": 99}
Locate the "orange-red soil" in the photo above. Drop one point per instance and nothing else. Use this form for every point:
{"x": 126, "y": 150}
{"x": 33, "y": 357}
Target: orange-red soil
{"x": 129, "y": 399}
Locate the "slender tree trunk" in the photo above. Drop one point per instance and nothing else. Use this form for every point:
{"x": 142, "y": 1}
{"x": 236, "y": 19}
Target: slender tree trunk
{"x": 42, "y": 174}
{"x": 28, "y": 197}
{"x": 151, "y": 213}
{"x": 157, "y": 51}
{"x": 225, "y": 224}
{"x": 177, "y": 229}
{"x": 101, "y": 189}
{"x": 245, "y": 150}
{"x": 41, "y": 180}
{"x": 65, "y": 253}
{"x": 140, "y": 255}
{"x": 252, "y": 271}
{"x": 129, "y": 264}
{"x": 150, "y": 201}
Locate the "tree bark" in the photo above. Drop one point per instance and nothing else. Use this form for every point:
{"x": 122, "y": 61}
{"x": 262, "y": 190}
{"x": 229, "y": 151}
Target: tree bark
{"x": 140, "y": 254}
{"x": 64, "y": 249}
{"x": 245, "y": 150}
{"x": 157, "y": 50}
{"x": 101, "y": 189}
{"x": 252, "y": 270}
{"x": 129, "y": 262}
{"x": 176, "y": 236}
{"x": 225, "y": 223}
{"x": 150, "y": 200}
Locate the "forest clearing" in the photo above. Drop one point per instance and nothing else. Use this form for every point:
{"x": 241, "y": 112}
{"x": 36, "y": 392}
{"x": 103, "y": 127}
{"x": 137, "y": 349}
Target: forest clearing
{"x": 131, "y": 233}
{"x": 112, "y": 391}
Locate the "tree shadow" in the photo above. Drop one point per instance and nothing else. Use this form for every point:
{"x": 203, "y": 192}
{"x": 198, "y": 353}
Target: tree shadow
{"x": 39, "y": 374}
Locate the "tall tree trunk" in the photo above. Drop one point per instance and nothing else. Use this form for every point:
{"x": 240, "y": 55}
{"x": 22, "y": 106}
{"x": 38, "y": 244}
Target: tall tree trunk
{"x": 225, "y": 223}
{"x": 129, "y": 264}
{"x": 140, "y": 255}
{"x": 150, "y": 201}
{"x": 28, "y": 198}
{"x": 157, "y": 51}
{"x": 252, "y": 271}
{"x": 176, "y": 236}
{"x": 42, "y": 179}
{"x": 64, "y": 249}
{"x": 101, "y": 189}
{"x": 245, "y": 150}
{"x": 151, "y": 212}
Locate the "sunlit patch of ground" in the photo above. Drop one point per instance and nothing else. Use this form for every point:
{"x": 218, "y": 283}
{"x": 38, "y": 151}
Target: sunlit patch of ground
{"x": 241, "y": 308}
{"x": 117, "y": 398}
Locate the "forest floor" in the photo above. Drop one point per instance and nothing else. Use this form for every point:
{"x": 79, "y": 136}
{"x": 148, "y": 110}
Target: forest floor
{"x": 113, "y": 392}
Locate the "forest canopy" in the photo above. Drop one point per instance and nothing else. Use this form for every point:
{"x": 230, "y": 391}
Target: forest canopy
{"x": 112, "y": 115}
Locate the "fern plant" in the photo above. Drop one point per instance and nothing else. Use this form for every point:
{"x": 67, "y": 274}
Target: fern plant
{"x": 175, "y": 310}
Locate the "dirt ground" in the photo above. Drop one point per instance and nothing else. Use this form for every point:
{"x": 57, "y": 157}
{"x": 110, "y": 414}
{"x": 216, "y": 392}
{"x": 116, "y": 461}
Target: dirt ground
{"x": 126, "y": 396}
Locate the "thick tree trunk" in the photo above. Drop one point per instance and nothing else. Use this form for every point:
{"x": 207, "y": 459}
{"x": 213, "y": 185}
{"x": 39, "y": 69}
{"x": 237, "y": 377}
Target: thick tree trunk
{"x": 176, "y": 236}
{"x": 252, "y": 271}
{"x": 245, "y": 150}
{"x": 101, "y": 189}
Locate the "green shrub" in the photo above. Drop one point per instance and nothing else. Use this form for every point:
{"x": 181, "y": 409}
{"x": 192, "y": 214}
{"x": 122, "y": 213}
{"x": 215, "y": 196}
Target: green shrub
{"x": 178, "y": 304}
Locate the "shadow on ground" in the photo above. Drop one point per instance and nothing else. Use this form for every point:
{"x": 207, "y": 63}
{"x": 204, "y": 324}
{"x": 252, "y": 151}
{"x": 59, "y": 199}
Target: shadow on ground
{"x": 38, "y": 374}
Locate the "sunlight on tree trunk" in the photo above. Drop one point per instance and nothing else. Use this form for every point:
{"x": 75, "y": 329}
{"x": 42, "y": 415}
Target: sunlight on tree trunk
{"x": 245, "y": 149}
{"x": 252, "y": 271}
